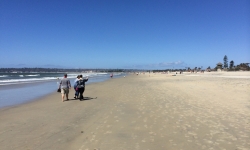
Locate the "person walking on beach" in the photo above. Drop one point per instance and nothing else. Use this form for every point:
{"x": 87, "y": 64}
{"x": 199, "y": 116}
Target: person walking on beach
{"x": 65, "y": 86}
{"x": 75, "y": 87}
{"x": 81, "y": 86}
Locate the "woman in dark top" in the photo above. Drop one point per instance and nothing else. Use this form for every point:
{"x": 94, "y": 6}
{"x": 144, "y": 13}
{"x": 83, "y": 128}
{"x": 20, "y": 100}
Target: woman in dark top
{"x": 81, "y": 86}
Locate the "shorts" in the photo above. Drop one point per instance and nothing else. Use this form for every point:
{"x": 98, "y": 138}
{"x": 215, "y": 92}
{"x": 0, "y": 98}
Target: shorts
{"x": 65, "y": 91}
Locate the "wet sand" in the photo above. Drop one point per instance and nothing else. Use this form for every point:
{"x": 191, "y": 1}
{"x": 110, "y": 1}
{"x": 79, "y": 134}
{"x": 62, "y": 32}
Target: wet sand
{"x": 144, "y": 112}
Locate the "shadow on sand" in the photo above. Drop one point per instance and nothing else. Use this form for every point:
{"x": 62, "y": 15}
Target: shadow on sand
{"x": 88, "y": 98}
{"x": 84, "y": 99}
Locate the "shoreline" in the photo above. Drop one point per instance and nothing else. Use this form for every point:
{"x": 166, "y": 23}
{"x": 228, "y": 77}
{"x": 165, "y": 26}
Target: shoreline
{"x": 47, "y": 96}
{"x": 136, "y": 112}
{"x": 26, "y": 92}
{"x": 28, "y": 102}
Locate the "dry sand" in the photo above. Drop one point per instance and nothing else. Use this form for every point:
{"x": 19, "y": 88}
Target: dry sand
{"x": 156, "y": 112}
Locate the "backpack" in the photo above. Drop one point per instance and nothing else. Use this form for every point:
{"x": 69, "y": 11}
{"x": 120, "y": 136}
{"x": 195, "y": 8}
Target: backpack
{"x": 80, "y": 84}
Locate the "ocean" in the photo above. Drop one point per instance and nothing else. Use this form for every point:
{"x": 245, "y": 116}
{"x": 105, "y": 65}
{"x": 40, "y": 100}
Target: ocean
{"x": 18, "y": 88}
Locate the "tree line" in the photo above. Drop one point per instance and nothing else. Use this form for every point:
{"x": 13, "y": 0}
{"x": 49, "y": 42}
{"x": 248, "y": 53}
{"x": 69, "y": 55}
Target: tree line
{"x": 232, "y": 67}
{"x": 225, "y": 66}
{"x": 228, "y": 67}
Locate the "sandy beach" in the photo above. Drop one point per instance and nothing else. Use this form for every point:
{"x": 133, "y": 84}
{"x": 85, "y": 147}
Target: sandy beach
{"x": 209, "y": 111}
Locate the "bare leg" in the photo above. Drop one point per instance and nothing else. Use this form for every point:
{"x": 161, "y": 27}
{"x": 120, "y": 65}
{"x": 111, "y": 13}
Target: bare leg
{"x": 67, "y": 96}
{"x": 62, "y": 97}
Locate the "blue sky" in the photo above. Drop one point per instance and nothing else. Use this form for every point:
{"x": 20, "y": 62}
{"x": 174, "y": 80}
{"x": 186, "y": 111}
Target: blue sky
{"x": 132, "y": 34}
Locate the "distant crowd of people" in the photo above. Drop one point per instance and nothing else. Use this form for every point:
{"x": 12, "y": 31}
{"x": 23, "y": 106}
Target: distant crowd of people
{"x": 79, "y": 86}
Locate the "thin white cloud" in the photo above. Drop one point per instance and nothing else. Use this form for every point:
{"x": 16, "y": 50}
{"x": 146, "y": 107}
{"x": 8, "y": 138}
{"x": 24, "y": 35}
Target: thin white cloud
{"x": 20, "y": 65}
{"x": 161, "y": 65}
{"x": 166, "y": 64}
